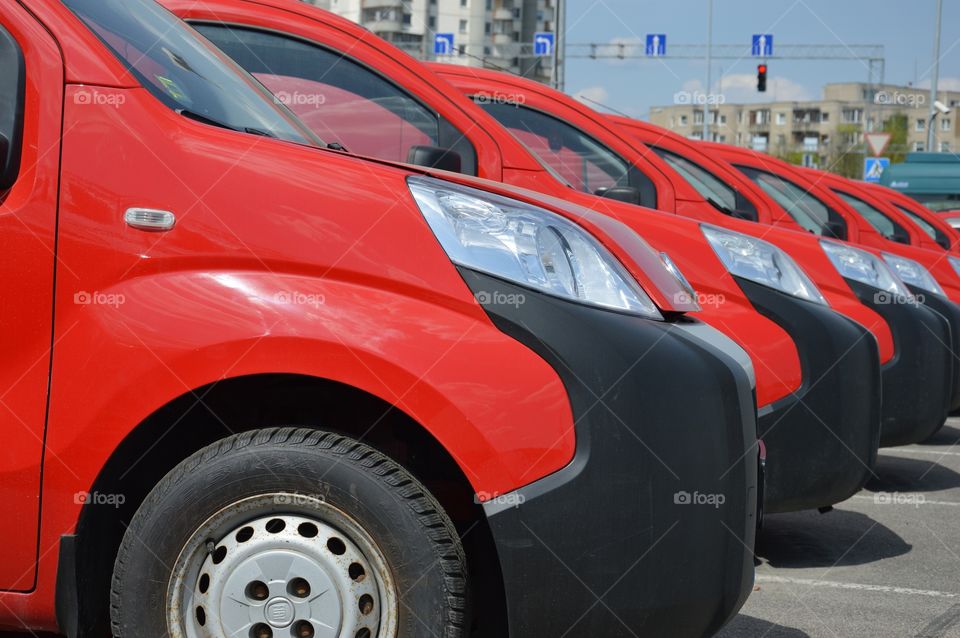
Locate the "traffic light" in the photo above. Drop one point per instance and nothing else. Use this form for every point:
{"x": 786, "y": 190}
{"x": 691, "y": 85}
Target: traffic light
{"x": 762, "y": 78}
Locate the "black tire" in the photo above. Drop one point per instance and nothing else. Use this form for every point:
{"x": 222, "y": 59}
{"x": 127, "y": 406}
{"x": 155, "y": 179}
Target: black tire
{"x": 414, "y": 535}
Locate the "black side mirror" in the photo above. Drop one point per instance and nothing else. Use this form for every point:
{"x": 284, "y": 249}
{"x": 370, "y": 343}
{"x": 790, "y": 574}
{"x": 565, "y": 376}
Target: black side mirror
{"x": 12, "y": 92}
{"x": 435, "y": 157}
{"x": 837, "y": 230}
{"x": 749, "y": 215}
{"x": 627, "y": 194}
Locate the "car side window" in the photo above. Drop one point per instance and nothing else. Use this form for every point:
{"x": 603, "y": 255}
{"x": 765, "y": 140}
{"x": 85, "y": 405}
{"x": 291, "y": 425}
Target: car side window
{"x": 881, "y": 223}
{"x": 710, "y": 187}
{"x": 336, "y": 97}
{"x": 805, "y": 209}
{"x": 583, "y": 162}
{"x": 935, "y": 233}
{"x": 12, "y": 88}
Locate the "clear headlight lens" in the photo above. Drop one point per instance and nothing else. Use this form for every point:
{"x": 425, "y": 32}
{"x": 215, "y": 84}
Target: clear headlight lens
{"x": 859, "y": 265}
{"x": 527, "y": 245}
{"x": 913, "y": 273}
{"x": 762, "y": 262}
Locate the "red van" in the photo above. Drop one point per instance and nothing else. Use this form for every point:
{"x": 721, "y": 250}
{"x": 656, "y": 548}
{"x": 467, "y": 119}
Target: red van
{"x": 254, "y": 385}
{"x": 342, "y": 80}
{"x": 921, "y": 367}
{"x": 933, "y": 225}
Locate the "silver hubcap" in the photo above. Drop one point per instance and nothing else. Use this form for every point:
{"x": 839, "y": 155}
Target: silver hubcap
{"x": 281, "y": 566}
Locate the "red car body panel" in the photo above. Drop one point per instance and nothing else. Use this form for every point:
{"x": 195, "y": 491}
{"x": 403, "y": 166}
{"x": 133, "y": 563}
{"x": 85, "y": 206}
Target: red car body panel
{"x": 678, "y": 195}
{"x": 772, "y": 351}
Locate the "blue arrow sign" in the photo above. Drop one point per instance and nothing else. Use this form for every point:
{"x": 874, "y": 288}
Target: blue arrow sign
{"x": 443, "y": 44}
{"x": 656, "y": 44}
{"x": 762, "y": 45}
{"x": 873, "y": 167}
{"x": 543, "y": 44}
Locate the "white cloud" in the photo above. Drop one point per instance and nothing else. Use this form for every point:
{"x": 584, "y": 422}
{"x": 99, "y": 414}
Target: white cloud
{"x": 945, "y": 84}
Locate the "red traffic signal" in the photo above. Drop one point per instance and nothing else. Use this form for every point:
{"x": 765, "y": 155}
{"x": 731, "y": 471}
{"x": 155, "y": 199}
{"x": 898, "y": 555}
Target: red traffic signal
{"x": 762, "y": 77}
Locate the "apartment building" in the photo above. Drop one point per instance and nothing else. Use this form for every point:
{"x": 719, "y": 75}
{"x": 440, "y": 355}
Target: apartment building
{"x": 811, "y": 132}
{"x": 493, "y": 33}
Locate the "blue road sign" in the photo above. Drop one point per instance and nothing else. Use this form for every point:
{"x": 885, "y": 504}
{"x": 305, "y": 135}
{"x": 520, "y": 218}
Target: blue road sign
{"x": 873, "y": 167}
{"x": 443, "y": 44}
{"x": 543, "y": 44}
{"x": 762, "y": 45}
{"x": 656, "y": 44}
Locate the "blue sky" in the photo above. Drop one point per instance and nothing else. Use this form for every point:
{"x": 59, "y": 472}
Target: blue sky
{"x": 905, "y": 28}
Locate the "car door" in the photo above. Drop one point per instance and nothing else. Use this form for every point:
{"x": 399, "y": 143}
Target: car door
{"x": 30, "y": 67}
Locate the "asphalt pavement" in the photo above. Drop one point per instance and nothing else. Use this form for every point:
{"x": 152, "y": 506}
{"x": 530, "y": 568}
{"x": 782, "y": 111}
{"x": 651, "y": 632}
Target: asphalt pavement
{"x": 883, "y": 564}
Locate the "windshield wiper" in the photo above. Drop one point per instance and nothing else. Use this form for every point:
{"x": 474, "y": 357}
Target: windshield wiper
{"x": 203, "y": 119}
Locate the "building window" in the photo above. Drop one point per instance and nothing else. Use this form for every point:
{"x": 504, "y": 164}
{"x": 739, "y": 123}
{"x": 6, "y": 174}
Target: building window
{"x": 407, "y": 19}
{"x": 463, "y": 3}
{"x": 825, "y": 117}
{"x": 723, "y": 119}
{"x": 945, "y": 124}
{"x": 781, "y": 119}
{"x": 698, "y": 117}
{"x": 921, "y": 124}
{"x": 487, "y": 28}
{"x": 683, "y": 120}
{"x": 463, "y": 26}
{"x": 918, "y": 147}
{"x": 432, "y": 22}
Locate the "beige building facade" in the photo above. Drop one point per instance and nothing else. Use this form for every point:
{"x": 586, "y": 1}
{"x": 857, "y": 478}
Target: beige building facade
{"x": 813, "y": 132}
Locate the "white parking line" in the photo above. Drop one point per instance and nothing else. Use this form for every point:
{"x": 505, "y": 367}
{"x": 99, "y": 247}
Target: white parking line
{"x": 916, "y": 451}
{"x": 883, "y": 589}
{"x": 909, "y": 500}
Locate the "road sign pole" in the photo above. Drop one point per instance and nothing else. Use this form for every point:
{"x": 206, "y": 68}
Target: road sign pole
{"x": 935, "y": 71}
{"x": 706, "y": 102}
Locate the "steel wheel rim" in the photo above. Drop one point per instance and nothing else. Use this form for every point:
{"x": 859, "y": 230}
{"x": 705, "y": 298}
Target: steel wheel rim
{"x": 281, "y": 566}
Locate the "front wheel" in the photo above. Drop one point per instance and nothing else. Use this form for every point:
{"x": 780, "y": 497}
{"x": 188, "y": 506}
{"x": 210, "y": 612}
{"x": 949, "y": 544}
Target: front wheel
{"x": 289, "y": 532}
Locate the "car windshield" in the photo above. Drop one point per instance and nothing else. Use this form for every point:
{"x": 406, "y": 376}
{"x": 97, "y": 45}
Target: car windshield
{"x": 183, "y": 70}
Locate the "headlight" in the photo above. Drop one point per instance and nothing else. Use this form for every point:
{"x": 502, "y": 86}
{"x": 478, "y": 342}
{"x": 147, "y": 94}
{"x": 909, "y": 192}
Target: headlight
{"x": 527, "y": 245}
{"x": 913, "y": 273}
{"x": 761, "y": 262}
{"x": 859, "y": 265}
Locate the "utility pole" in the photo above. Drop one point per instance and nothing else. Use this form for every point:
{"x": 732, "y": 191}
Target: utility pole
{"x": 559, "y": 46}
{"x": 931, "y": 129}
{"x": 706, "y": 100}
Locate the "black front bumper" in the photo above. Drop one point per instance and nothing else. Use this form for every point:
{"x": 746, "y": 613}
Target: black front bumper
{"x": 650, "y": 529}
{"x": 917, "y": 382}
{"x": 822, "y": 439}
{"x": 951, "y": 313}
